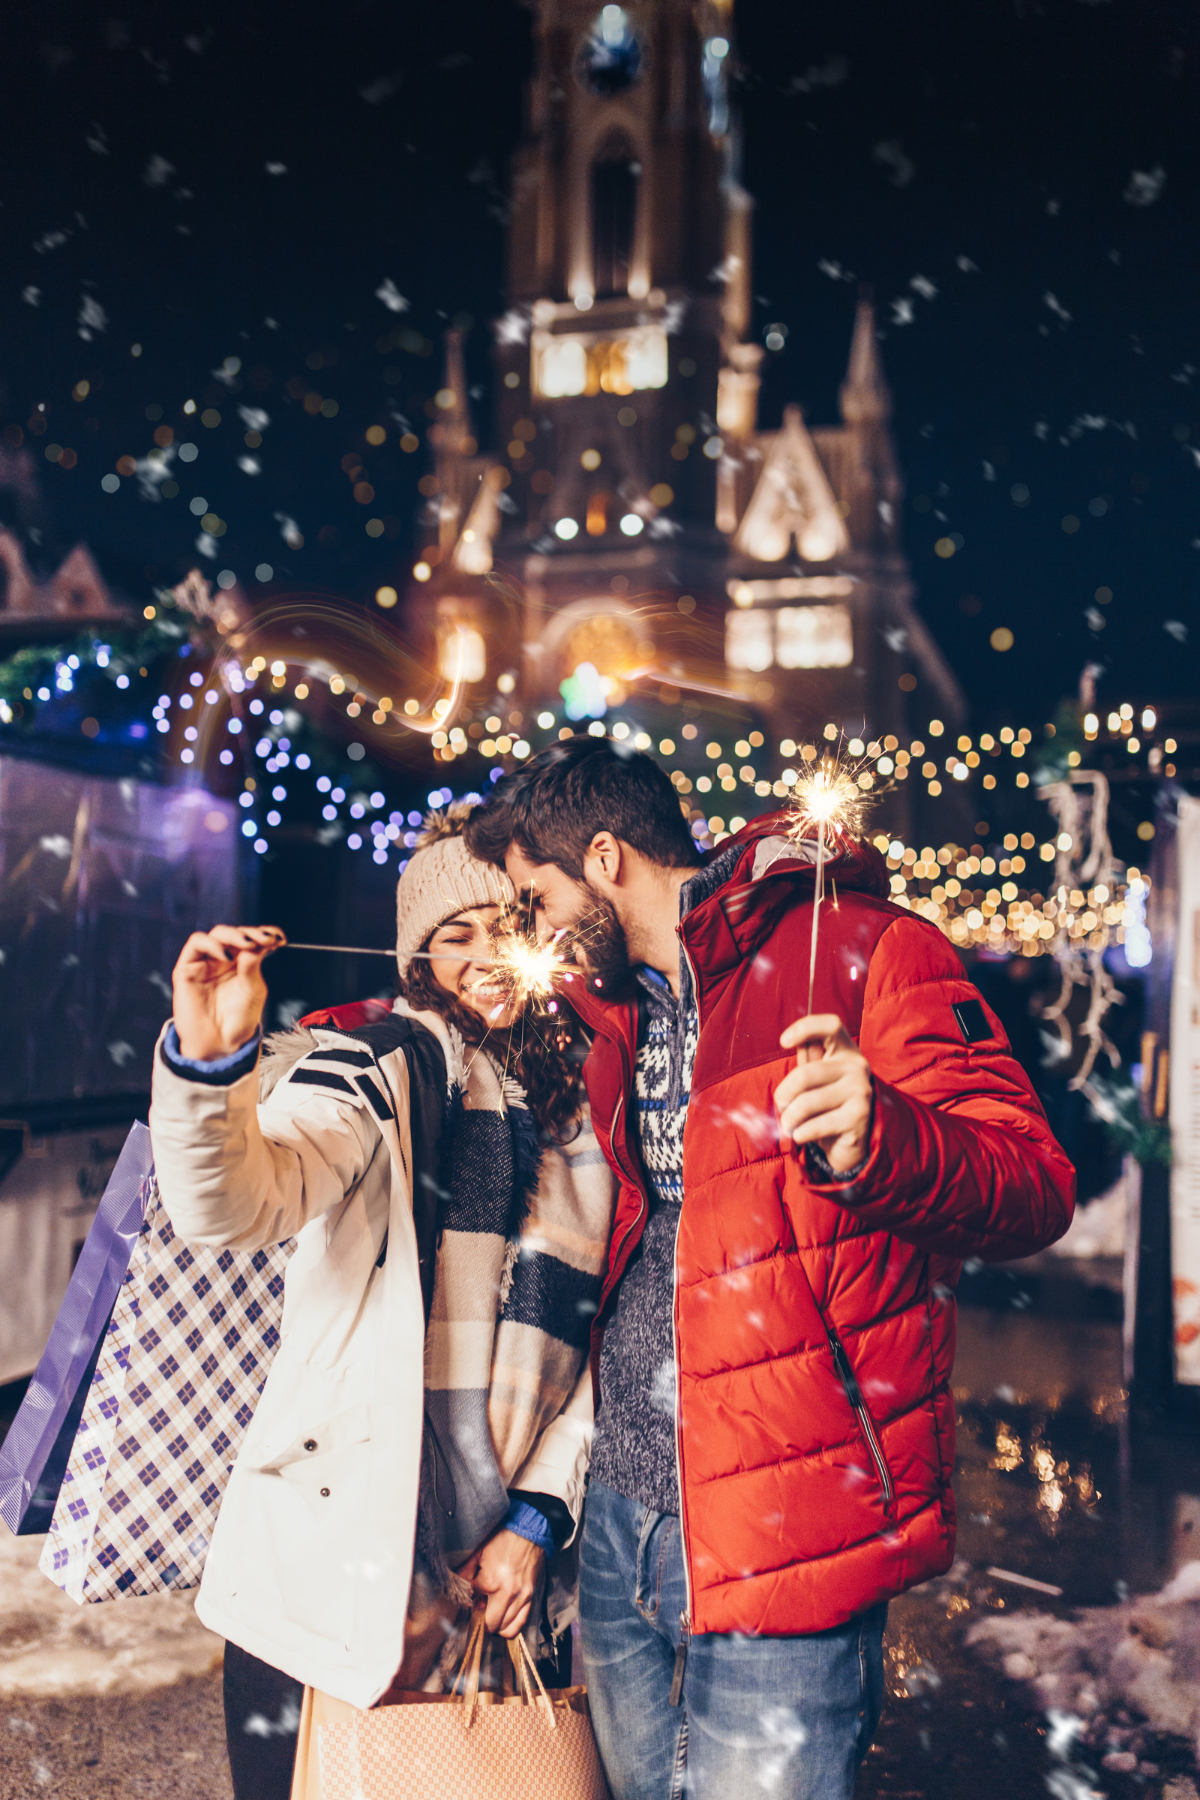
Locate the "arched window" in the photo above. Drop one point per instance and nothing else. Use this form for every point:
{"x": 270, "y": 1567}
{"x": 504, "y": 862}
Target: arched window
{"x": 614, "y": 215}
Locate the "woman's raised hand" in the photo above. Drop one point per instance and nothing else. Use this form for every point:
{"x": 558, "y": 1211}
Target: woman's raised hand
{"x": 217, "y": 988}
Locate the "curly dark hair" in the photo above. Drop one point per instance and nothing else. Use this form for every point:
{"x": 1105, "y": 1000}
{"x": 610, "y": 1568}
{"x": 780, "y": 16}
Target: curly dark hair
{"x": 545, "y": 1054}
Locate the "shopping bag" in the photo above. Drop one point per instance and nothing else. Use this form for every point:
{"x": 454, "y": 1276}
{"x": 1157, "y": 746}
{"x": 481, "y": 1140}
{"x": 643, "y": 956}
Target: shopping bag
{"x": 181, "y": 1367}
{"x": 34, "y": 1454}
{"x": 532, "y": 1745}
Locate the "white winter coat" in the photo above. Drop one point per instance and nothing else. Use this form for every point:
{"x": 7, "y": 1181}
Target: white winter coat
{"x": 312, "y": 1554}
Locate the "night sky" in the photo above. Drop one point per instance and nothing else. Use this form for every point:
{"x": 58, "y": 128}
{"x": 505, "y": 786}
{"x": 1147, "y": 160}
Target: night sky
{"x": 1015, "y": 180}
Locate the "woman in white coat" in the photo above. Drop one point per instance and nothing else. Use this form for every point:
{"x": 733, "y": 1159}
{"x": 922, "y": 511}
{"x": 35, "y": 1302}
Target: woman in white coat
{"x": 422, "y": 1438}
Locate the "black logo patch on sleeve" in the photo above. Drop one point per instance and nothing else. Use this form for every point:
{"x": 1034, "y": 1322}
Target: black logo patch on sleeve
{"x": 972, "y": 1021}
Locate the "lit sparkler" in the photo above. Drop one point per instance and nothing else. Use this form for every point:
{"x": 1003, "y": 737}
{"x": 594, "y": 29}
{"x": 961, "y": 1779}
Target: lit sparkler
{"x": 526, "y": 966}
{"x": 828, "y": 796}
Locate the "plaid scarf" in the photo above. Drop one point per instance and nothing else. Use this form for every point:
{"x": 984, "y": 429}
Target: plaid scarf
{"x": 524, "y": 1233}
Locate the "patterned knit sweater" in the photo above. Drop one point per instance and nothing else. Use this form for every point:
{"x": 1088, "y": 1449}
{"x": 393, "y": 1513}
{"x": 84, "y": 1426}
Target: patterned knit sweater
{"x": 633, "y": 1449}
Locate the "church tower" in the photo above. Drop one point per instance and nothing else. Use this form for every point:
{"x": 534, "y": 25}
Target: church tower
{"x": 635, "y": 528}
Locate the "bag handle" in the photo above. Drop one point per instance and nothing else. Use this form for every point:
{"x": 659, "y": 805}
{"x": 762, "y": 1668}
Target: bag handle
{"x": 527, "y": 1674}
{"x": 533, "y": 1690}
{"x": 469, "y": 1667}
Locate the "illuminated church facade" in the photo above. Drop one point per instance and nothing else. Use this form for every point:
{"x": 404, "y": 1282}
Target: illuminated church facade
{"x": 634, "y": 529}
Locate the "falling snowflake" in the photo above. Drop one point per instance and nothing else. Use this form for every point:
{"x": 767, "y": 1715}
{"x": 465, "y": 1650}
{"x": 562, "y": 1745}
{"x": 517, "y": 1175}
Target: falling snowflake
{"x": 922, "y": 285}
{"x": 891, "y": 155}
{"x": 726, "y": 271}
{"x": 254, "y": 418}
{"x": 391, "y": 296}
{"x": 152, "y": 471}
{"x": 1177, "y": 629}
{"x": 381, "y": 89}
{"x": 1056, "y": 306}
{"x": 1145, "y": 186}
{"x": 158, "y": 171}
{"x": 829, "y": 74}
{"x": 32, "y": 296}
{"x": 513, "y": 327}
{"x": 92, "y": 317}
{"x": 903, "y": 312}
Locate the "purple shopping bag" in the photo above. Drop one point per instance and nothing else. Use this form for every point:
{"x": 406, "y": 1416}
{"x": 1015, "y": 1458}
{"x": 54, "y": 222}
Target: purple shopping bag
{"x": 34, "y": 1455}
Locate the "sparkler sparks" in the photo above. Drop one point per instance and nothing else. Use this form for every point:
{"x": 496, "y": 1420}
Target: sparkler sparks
{"x": 526, "y": 966}
{"x": 827, "y": 796}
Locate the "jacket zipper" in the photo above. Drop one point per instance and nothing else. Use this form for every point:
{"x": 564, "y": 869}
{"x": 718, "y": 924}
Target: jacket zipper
{"x": 849, "y": 1381}
{"x": 685, "y": 1628}
{"x": 612, "y": 1138}
{"x": 686, "y": 1615}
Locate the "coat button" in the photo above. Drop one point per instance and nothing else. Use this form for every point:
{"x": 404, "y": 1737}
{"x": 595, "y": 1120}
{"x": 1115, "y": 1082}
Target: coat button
{"x": 310, "y": 1443}
{"x": 324, "y": 1493}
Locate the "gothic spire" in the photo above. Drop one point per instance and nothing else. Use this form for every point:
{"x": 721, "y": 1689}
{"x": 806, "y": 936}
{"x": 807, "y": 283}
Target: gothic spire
{"x": 453, "y": 434}
{"x": 866, "y": 396}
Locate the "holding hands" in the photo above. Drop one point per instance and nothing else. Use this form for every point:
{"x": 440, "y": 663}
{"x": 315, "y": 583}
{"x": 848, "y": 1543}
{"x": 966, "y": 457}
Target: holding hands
{"x": 829, "y": 1097}
{"x": 217, "y": 988}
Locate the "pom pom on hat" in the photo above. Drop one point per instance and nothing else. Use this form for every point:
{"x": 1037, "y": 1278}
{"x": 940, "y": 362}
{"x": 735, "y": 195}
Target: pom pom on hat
{"x": 445, "y": 822}
{"x": 442, "y": 880}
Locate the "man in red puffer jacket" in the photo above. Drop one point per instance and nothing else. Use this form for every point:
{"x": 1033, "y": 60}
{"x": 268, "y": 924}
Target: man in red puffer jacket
{"x": 773, "y": 1349}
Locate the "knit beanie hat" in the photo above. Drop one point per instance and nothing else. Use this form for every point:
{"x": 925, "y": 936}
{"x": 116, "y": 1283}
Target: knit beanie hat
{"x": 442, "y": 880}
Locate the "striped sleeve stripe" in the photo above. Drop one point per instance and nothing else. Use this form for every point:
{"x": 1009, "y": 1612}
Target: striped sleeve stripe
{"x": 359, "y": 1059}
{"x": 323, "y": 1078}
{"x": 379, "y": 1104}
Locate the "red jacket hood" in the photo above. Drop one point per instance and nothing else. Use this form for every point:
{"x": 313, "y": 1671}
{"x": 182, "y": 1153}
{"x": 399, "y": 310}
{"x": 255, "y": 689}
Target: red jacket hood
{"x": 849, "y": 861}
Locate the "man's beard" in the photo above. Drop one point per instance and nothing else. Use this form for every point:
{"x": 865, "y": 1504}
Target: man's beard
{"x": 601, "y": 946}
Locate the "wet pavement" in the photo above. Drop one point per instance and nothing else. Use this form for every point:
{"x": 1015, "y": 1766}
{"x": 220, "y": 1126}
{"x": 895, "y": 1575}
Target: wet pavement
{"x": 1054, "y": 1483}
{"x": 1057, "y": 1484}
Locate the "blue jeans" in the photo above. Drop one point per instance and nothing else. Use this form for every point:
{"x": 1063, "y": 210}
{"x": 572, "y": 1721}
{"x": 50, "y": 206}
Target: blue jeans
{"x": 791, "y": 1718}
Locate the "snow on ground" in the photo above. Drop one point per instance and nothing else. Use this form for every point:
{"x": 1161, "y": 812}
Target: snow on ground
{"x": 1107, "y": 1673}
{"x": 51, "y": 1646}
{"x": 1098, "y": 1229}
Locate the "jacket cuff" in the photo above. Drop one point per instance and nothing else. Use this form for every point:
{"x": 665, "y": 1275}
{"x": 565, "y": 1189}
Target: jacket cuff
{"x": 221, "y": 1071}
{"x": 821, "y": 1172}
{"x": 526, "y": 1520}
{"x": 890, "y": 1149}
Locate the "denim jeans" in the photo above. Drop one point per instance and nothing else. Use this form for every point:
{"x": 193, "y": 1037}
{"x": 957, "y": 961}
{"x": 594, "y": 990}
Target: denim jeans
{"x": 790, "y": 1718}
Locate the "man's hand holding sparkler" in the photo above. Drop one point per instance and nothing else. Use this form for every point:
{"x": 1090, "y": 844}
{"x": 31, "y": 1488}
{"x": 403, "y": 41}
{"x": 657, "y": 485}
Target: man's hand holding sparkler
{"x": 829, "y": 1097}
{"x": 217, "y": 988}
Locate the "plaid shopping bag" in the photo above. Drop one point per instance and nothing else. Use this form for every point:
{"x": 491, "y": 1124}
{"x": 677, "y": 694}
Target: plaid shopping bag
{"x": 185, "y": 1358}
{"x": 38, "y": 1443}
